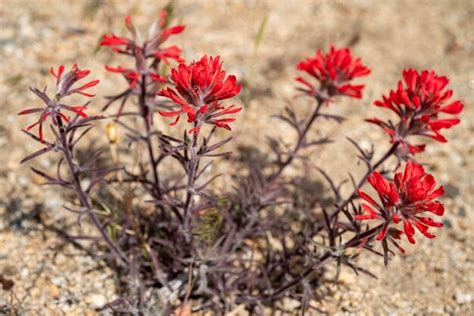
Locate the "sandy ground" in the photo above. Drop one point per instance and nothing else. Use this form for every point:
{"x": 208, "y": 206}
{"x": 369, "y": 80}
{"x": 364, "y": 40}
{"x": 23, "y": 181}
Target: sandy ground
{"x": 434, "y": 278}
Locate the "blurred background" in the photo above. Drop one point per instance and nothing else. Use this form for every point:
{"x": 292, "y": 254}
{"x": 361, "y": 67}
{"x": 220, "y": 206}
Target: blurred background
{"x": 259, "y": 41}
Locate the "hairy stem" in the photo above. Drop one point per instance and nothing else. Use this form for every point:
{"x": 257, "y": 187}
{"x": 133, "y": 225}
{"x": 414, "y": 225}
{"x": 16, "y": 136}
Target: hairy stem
{"x": 299, "y": 143}
{"x": 145, "y": 114}
{"x": 82, "y": 196}
{"x": 192, "y": 171}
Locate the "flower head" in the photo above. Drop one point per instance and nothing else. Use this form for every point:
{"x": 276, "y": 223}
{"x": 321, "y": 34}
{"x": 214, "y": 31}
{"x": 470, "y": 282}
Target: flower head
{"x": 418, "y": 101}
{"x": 151, "y": 47}
{"x": 408, "y": 198}
{"x": 334, "y": 72}
{"x": 147, "y": 55}
{"x": 65, "y": 82}
{"x": 200, "y": 88}
{"x": 53, "y": 107}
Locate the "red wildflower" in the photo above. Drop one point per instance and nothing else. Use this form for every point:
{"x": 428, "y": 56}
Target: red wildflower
{"x": 151, "y": 47}
{"x": 53, "y": 107}
{"x": 65, "y": 83}
{"x": 418, "y": 101}
{"x": 201, "y": 86}
{"x": 407, "y": 198}
{"x": 334, "y": 71}
{"x": 145, "y": 72}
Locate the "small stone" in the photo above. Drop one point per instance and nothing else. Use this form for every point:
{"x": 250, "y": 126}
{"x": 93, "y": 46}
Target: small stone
{"x": 56, "y": 281}
{"x": 347, "y": 277}
{"x": 54, "y": 291}
{"x": 97, "y": 300}
{"x": 435, "y": 309}
{"x": 61, "y": 259}
{"x": 462, "y": 298}
{"x": 24, "y": 273}
{"x": 290, "y": 304}
{"x": 449, "y": 309}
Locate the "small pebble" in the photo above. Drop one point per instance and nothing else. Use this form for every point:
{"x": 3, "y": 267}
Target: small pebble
{"x": 97, "y": 300}
{"x": 462, "y": 297}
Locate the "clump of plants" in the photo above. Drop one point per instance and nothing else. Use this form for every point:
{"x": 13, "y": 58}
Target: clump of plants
{"x": 179, "y": 238}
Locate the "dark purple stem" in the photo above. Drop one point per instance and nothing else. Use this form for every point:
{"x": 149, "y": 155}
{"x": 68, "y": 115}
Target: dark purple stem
{"x": 145, "y": 114}
{"x": 300, "y": 142}
{"x": 82, "y": 196}
{"x": 193, "y": 164}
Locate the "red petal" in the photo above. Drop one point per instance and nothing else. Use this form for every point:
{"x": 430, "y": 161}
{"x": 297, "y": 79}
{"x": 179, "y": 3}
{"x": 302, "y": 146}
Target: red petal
{"x": 409, "y": 231}
{"x": 382, "y": 233}
{"x": 88, "y": 85}
{"x": 172, "y": 113}
{"x": 28, "y": 111}
{"x": 454, "y": 108}
{"x": 447, "y": 123}
{"x": 367, "y": 198}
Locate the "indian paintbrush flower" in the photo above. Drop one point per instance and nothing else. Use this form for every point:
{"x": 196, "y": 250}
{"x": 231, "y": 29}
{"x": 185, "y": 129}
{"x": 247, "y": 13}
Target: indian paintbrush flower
{"x": 418, "y": 101}
{"x": 64, "y": 87}
{"x": 334, "y": 72}
{"x": 151, "y": 47}
{"x": 407, "y": 199}
{"x": 200, "y": 88}
{"x": 148, "y": 54}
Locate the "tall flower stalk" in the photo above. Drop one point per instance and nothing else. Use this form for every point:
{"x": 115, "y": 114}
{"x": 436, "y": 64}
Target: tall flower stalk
{"x": 333, "y": 73}
{"x": 144, "y": 80}
{"x": 64, "y": 130}
{"x": 200, "y": 89}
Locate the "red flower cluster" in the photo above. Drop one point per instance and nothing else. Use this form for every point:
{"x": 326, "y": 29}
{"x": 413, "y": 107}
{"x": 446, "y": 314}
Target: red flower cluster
{"x": 418, "y": 101}
{"x": 64, "y": 87}
{"x": 334, "y": 71}
{"x": 65, "y": 83}
{"x": 407, "y": 198}
{"x": 201, "y": 86}
{"x": 141, "y": 51}
{"x": 151, "y": 47}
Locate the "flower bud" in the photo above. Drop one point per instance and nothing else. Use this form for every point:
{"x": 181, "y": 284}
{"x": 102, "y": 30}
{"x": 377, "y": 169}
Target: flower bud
{"x": 112, "y": 132}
